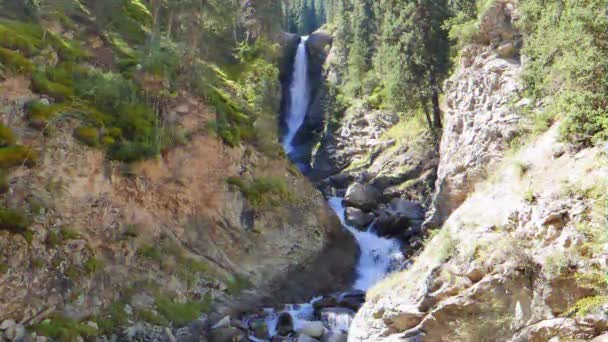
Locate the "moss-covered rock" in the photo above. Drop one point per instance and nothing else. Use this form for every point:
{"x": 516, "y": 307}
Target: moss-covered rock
{"x": 13, "y": 220}
{"x": 7, "y": 137}
{"x": 15, "y": 62}
{"x": 12, "y": 156}
{"x": 87, "y": 135}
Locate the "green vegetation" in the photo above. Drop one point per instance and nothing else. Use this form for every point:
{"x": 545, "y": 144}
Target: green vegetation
{"x": 15, "y": 62}
{"x": 237, "y": 284}
{"x": 149, "y": 252}
{"x": 566, "y": 50}
{"x": 63, "y": 329}
{"x": 7, "y": 137}
{"x": 88, "y": 135}
{"x": 112, "y": 318}
{"x": 152, "y": 317}
{"x": 263, "y": 191}
{"x": 181, "y": 313}
{"x": 68, "y": 233}
{"x": 16, "y": 156}
{"x": 39, "y": 114}
{"x": 93, "y": 265}
{"x": 13, "y": 220}
{"x": 304, "y": 16}
{"x": 586, "y": 305}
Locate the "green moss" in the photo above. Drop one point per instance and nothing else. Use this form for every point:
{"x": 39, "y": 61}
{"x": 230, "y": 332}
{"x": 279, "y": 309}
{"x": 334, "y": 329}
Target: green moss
{"x": 72, "y": 272}
{"x": 149, "y": 252}
{"x": 3, "y": 269}
{"x": 587, "y": 305}
{"x": 189, "y": 269}
{"x": 67, "y": 50}
{"x": 63, "y": 329}
{"x": 15, "y": 62}
{"x": 16, "y": 156}
{"x": 7, "y": 137}
{"x": 4, "y": 182}
{"x": 41, "y": 84}
{"x": 13, "y": 220}
{"x": 179, "y": 313}
{"x": 263, "y": 191}
{"x": 87, "y": 135}
{"x": 53, "y": 239}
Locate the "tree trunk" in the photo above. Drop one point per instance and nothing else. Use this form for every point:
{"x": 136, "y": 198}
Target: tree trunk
{"x": 170, "y": 24}
{"x": 435, "y": 101}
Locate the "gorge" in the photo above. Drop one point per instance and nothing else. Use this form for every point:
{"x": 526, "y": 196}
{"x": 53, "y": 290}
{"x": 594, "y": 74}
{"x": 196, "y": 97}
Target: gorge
{"x": 419, "y": 171}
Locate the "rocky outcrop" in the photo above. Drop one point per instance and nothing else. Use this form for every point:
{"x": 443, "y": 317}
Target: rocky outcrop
{"x": 520, "y": 251}
{"x": 480, "y": 118}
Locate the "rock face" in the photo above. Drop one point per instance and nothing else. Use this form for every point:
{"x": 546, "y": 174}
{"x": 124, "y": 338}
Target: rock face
{"x": 479, "y": 120}
{"x": 144, "y": 221}
{"x": 517, "y": 252}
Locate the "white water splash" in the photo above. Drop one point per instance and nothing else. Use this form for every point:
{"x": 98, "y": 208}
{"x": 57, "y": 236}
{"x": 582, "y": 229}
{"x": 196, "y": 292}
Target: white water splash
{"x": 378, "y": 254}
{"x": 299, "y": 94}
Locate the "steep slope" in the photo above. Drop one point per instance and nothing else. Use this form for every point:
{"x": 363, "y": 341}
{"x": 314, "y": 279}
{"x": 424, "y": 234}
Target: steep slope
{"x": 521, "y": 255}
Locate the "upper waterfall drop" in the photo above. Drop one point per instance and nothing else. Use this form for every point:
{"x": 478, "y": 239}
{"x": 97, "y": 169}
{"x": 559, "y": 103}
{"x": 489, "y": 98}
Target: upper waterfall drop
{"x": 299, "y": 94}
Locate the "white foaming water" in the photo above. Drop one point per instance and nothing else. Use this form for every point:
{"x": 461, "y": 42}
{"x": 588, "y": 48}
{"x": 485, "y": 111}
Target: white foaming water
{"x": 378, "y": 254}
{"x": 299, "y": 94}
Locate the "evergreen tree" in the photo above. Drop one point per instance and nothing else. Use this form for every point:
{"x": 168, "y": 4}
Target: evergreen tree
{"x": 360, "y": 53}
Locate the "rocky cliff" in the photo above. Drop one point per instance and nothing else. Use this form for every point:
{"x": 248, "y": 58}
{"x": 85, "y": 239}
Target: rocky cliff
{"x": 92, "y": 246}
{"x": 521, "y": 254}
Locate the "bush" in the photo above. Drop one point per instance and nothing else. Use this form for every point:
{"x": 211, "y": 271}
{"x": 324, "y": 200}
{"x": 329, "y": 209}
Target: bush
{"x": 92, "y": 265}
{"x": 41, "y": 84}
{"x": 149, "y": 252}
{"x": 7, "y": 137}
{"x": 13, "y": 156}
{"x": 87, "y": 135}
{"x": 15, "y": 62}
{"x": 130, "y": 152}
{"x": 263, "y": 191}
{"x": 179, "y": 313}
{"x": 13, "y": 220}
{"x": 12, "y": 40}
{"x": 39, "y": 114}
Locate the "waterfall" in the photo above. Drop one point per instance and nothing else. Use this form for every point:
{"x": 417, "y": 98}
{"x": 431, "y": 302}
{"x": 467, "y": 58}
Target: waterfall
{"x": 299, "y": 94}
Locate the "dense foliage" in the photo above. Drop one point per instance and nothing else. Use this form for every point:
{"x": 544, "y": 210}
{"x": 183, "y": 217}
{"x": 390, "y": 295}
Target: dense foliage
{"x": 304, "y": 16}
{"x": 566, "y": 43}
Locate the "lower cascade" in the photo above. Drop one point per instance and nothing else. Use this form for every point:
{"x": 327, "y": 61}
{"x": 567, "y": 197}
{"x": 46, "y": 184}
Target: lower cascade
{"x": 325, "y": 317}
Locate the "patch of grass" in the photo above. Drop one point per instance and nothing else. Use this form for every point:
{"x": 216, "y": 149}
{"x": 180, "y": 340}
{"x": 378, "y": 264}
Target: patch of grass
{"x": 13, "y": 220}
{"x": 112, "y": 318}
{"x": 530, "y": 196}
{"x": 93, "y": 265}
{"x": 12, "y": 40}
{"x": 88, "y": 135}
{"x": 7, "y": 137}
{"x": 15, "y": 62}
{"x": 152, "y": 317}
{"x": 131, "y": 231}
{"x": 69, "y": 234}
{"x": 63, "y": 329}
{"x": 149, "y": 252}
{"x": 179, "y": 313}
{"x": 189, "y": 269}
{"x": 53, "y": 239}
{"x": 13, "y": 156}
{"x": 263, "y": 191}
{"x": 522, "y": 168}
{"x": 3, "y": 269}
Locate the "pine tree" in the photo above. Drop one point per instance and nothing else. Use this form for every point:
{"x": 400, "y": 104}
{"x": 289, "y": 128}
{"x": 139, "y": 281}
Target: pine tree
{"x": 360, "y": 52}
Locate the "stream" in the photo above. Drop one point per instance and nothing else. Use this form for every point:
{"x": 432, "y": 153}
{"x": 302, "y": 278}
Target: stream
{"x": 327, "y": 317}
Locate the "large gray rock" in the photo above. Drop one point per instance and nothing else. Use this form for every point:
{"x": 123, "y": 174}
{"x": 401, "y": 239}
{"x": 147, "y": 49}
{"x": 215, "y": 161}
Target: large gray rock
{"x": 306, "y": 338}
{"x": 358, "y": 218}
{"x": 408, "y": 209}
{"x": 334, "y": 337}
{"x": 364, "y": 197}
{"x": 228, "y": 335}
{"x": 284, "y": 325}
{"x": 313, "y": 329}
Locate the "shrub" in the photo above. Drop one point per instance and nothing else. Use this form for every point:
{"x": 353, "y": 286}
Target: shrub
{"x": 7, "y": 137}
{"x": 178, "y": 313}
{"x": 149, "y": 252}
{"x": 13, "y": 220}
{"x": 237, "y": 284}
{"x": 112, "y": 318}
{"x": 63, "y": 329}
{"x": 41, "y": 84}
{"x": 92, "y": 265}
{"x": 15, "y": 62}
{"x": 69, "y": 234}
{"x": 152, "y": 317}
{"x": 16, "y": 156}
{"x": 263, "y": 191}
{"x": 587, "y": 305}
{"x": 87, "y": 135}
{"x": 108, "y": 91}
{"x": 39, "y": 114}
{"x": 130, "y": 152}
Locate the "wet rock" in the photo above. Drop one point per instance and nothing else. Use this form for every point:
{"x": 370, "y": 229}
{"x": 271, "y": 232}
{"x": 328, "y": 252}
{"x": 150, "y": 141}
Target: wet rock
{"x": 334, "y": 337}
{"x": 284, "y": 325}
{"x": 259, "y": 329}
{"x": 364, "y": 197}
{"x": 15, "y": 332}
{"x": 337, "y": 319}
{"x": 324, "y": 302}
{"x": 357, "y": 218}
{"x": 306, "y": 338}
{"x": 222, "y": 323}
{"x": 352, "y": 300}
{"x": 313, "y": 329}
{"x": 404, "y": 208}
{"x": 228, "y": 335}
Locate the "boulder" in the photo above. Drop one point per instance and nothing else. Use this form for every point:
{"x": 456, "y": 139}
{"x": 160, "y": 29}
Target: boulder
{"x": 228, "y": 335}
{"x": 334, "y": 337}
{"x": 337, "y": 319}
{"x": 358, "y": 218}
{"x": 306, "y": 338}
{"x": 364, "y": 197}
{"x": 318, "y": 45}
{"x": 601, "y": 338}
{"x": 324, "y": 302}
{"x": 284, "y": 324}
{"x": 352, "y": 300}
{"x": 313, "y": 329}
{"x": 259, "y": 327}
{"x": 408, "y": 209}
